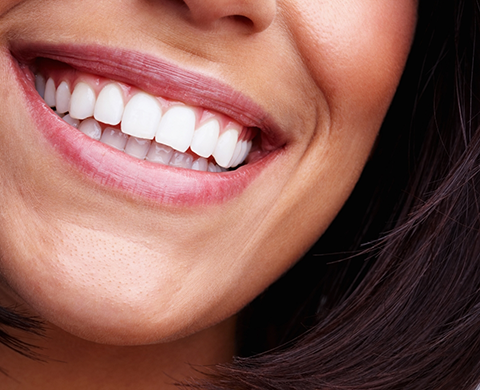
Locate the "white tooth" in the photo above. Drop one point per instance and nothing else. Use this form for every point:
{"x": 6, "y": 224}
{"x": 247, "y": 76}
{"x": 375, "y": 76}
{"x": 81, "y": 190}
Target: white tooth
{"x": 205, "y": 138}
{"x": 200, "y": 164}
{"x": 91, "y": 128}
{"x": 247, "y": 151}
{"x": 72, "y": 122}
{"x": 137, "y": 147}
{"x": 40, "y": 85}
{"x": 239, "y": 159}
{"x": 236, "y": 152}
{"x": 50, "y": 93}
{"x": 109, "y": 106}
{"x": 212, "y": 167}
{"x": 225, "y": 147}
{"x": 114, "y": 138}
{"x": 159, "y": 153}
{"x": 82, "y": 102}
{"x": 62, "y": 98}
{"x": 181, "y": 160}
{"x": 141, "y": 116}
{"x": 176, "y": 128}
{"x": 241, "y": 155}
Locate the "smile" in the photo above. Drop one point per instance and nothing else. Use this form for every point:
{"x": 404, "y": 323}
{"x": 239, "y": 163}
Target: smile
{"x": 144, "y": 126}
{"x": 205, "y": 148}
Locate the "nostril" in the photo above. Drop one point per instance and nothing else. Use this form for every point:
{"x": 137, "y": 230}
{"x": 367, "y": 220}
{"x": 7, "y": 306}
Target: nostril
{"x": 180, "y": 4}
{"x": 242, "y": 19}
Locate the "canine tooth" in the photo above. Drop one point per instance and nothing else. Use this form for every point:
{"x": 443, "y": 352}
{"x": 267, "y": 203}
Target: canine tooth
{"x": 50, "y": 92}
{"x": 225, "y": 147}
{"x": 109, "y": 106}
{"x": 82, "y": 102}
{"x": 176, "y": 128}
{"x": 72, "y": 122}
{"x": 159, "y": 153}
{"x": 243, "y": 148}
{"x": 114, "y": 138}
{"x": 200, "y": 164}
{"x": 141, "y": 116}
{"x": 137, "y": 147}
{"x": 181, "y": 160}
{"x": 91, "y": 128}
{"x": 249, "y": 147}
{"x": 62, "y": 98}
{"x": 244, "y": 152}
{"x": 236, "y": 153}
{"x": 40, "y": 85}
{"x": 205, "y": 138}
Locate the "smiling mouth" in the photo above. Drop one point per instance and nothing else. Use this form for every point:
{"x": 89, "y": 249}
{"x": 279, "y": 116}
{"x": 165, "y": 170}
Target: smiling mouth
{"x": 143, "y": 126}
{"x": 134, "y": 122}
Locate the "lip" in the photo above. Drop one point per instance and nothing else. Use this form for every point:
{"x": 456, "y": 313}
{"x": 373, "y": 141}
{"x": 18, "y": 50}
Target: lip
{"x": 160, "y": 78}
{"x": 112, "y": 168}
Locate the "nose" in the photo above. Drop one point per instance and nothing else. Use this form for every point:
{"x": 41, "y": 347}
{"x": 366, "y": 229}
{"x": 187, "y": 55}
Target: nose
{"x": 257, "y": 15}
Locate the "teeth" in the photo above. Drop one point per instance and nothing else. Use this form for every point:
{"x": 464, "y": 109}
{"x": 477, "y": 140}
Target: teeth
{"x": 215, "y": 168}
{"x": 236, "y": 153}
{"x": 40, "y": 85}
{"x": 176, "y": 128}
{"x": 109, "y": 106}
{"x": 211, "y": 167}
{"x": 72, "y": 122}
{"x": 247, "y": 151}
{"x": 137, "y": 147}
{"x": 82, "y": 102}
{"x": 141, "y": 116}
{"x": 205, "y": 138}
{"x": 242, "y": 154}
{"x": 159, "y": 153}
{"x": 141, "y": 121}
{"x": 181, "y": 160}
{"x": 200, "y": 164}
{"x": 114, "y": 138}
{"x": 50, "y": 93}
{"x": 62, "y": 98}
{"x": 225, "y": 148}
{"x": 91, "y": 128}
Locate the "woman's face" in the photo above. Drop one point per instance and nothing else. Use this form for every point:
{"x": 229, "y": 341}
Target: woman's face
{"x": 125, "y": 250}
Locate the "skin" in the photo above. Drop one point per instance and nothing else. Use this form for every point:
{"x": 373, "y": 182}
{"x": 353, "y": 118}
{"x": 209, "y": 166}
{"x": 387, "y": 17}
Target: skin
{"x": 131, "y": 289}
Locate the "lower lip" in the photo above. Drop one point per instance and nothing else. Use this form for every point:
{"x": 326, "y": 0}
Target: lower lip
{"x": 111, "y": 168}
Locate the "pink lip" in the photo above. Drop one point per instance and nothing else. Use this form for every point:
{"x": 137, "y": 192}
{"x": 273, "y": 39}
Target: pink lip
{"x": 112, "y": 168}
{"x": 161, "y": 78}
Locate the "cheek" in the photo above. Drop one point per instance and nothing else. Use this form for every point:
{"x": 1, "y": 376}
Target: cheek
{"x": 356, "y": 51}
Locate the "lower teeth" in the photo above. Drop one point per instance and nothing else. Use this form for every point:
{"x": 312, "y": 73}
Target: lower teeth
{"x": 140, "y": 148}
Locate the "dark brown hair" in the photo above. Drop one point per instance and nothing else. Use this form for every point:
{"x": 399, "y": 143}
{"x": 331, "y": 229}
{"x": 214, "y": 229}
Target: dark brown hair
{"x": 389, "y": 297}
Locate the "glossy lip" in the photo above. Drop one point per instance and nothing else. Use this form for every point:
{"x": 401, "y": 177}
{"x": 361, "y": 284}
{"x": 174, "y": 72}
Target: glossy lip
{"x": 160, "y": 78}
{"x": 106, "y": 165}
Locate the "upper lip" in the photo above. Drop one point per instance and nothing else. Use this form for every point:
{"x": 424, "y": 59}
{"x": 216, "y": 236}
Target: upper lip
{"x": 161, "y": 78}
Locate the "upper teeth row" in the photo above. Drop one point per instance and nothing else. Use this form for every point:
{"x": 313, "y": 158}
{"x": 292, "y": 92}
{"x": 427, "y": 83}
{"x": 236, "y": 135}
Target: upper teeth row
{"x": 142, "y": 117}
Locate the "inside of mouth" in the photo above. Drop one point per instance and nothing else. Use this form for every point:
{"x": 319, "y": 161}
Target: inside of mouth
{"x": 141, "y": 125}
